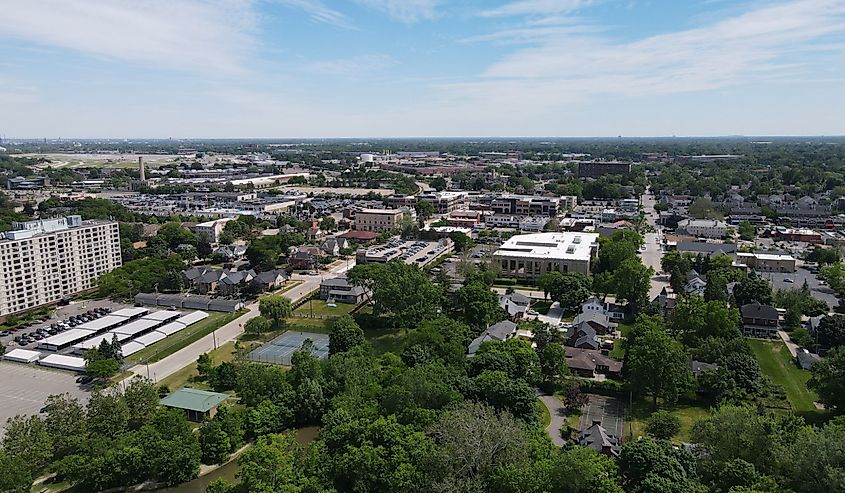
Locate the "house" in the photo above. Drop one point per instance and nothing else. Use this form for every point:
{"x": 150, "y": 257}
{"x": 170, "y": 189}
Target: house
{"x": 333, "y": 245}
{"x": 695, "y": 285}
{"x": 666, "y": 301}
{"x": 760, "y": 320}
{"x": 268, "y": 280}
{"x": 589, "y": 362}
{"x": 304, "y": 257}
{"x": 208, "y": 281}
{"x": 231, "y": 283}
{"x": 230, "y": 252}
{"x": 582, "y": 336}
{"x": 198, "y": 405}
{"x": 597, "y": 438}
{"x": 515, "y": 305}
{"x": 501, "y": 331}
{"x": 598, "y": 321}
{"x": 607, "y": 307}
{"x": 698, "y": 367}
{"x": 341, "y": 290}
{"x": 806, "y": 360}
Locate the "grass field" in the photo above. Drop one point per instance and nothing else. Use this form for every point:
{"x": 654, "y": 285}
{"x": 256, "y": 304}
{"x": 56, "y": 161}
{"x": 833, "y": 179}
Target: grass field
{"x": 776, "y": 363}
{"x": 545, "y": 416}
{"x": 618, "y": 352}
{"x": 319, "y": 309}
{"x": 184, "y": 337}
{"x": 687, "y": 414}
{"x": 188, "y": 374}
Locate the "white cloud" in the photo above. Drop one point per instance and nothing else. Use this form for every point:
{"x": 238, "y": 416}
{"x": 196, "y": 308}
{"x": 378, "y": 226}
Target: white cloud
{"x": 762, "y": 45}
{"x": 537, "y": 7}
{"x": 407, "y": 11}
{"x": 354, "y": 67}
{"x": 319, "y": 11}
{"x": 211, "y": 36}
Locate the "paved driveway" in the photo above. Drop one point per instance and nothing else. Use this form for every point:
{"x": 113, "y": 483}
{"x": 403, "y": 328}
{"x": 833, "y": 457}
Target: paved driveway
{"x": 558, "y": 421}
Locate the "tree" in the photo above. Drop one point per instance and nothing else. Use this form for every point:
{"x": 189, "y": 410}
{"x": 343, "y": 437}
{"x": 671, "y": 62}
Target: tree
{"x": 662, "y": 425}
{"x": 573, "y": 398}
{"x": 553, "y": 363}
{"x": 142, "y": 401}
{"x": 276, "y": 309}
{"x": 214, "y": 443}
{"x": 438, "y": 183}
{"x": 716, "y": 289}
{"x": 696, "y": 320}
{"x": 16, "y": 477}
{"x": 746, "y": 231}
{"x": 649, "y": 466}
{"x": 344, "y": 335}
{"x": 403, "y": 291}
{"x": 632, "y": 281}
{"x": 823, "y": 256}
{"x": 477, "y": 305}
{"x": 258, "y": 325}
{"x": 65, "y": 423}
{"x": 570, "y": 290}
{"x": 462, "y": 241}
{"x": 473, "y": 441}
{"x": 499, "y": 390}
{"x": 753, "y": 289}
{"x": 328, "y": 223}
{"x": 656, "y": 363}
{"x": 27, "y": 440}
{"x": 205, "y": 366}
{"x": 831, "y": 331}
{"x": 107, "y": 412}
{"x": 424, "y": 209}
{"x": 828, "y": 379}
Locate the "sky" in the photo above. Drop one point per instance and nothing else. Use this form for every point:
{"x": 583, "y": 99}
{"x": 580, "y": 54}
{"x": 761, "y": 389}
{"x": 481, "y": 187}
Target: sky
{"x": 416, "y": 68}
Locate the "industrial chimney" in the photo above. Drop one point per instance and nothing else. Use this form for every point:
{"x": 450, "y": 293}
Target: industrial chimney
{"x": 141, "y": 169}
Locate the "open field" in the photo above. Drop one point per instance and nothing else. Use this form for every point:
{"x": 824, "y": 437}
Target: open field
{"x": 61, "y": 160}
{"x": 686, "y": 413}
{"x": 188, "y": 374}
{"x": 183, "y": 338}
{"x": 315, "y": 308}
{"x": 776, "y": 363}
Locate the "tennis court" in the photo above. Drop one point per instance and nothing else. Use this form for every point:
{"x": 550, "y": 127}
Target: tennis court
{"x": 280, "y": 350}
{"x": 608, "y": 410}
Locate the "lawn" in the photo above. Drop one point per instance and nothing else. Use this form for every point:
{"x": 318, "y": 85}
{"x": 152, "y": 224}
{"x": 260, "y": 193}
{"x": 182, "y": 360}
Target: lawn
{"x": 776, "y": 363}
{"x": 179, "y": 340}
{"x": 187, "y": 374}
{"x": 618, "y": 352}
{"x": 688, "y": 415}
{"x": 542, "y": 306}
{"x": 315, "y": 308}
{"x": 545, "y": 416}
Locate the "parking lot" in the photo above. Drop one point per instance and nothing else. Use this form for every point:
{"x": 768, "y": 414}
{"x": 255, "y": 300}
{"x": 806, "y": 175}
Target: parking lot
{"x": 28, "y": 336}
{"x": 24, "y": 388}
{"x": 795, "y": 280}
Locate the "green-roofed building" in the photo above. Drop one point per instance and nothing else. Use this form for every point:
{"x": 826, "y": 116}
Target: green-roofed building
{"x": 198, "y": 404}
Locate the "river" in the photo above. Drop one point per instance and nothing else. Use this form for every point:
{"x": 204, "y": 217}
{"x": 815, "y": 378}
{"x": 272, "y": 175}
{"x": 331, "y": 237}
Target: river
{"x": 229, "y": 472}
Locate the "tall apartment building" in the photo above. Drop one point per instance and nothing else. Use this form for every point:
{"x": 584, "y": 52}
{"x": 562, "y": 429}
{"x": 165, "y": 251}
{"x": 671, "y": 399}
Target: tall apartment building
{"x": 378, "y": 220}
{"x": 43, "y": 262}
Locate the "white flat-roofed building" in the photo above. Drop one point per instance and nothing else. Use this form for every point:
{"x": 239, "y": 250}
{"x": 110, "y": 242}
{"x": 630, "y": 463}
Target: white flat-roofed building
{"x": 704, "y": 228}
{"x": 136, "y": 327}
{"x": 171, "y": 328}
{"x": 22, "y": 356}
{"x": 101, "y": 324}
{"x": 63, "y": 362}
{"x": 192, "y": 318}
{"x": 378, "y": 220}
{"x": 65, "y": 339}
{"x": 130, "y": 312}
{"x": 212, "y": 229}
{"x": 766, "y": 262}
{"x": 163, "y": 315}
{"x": 530, "y": 256}
{"x": 46, "y": 261}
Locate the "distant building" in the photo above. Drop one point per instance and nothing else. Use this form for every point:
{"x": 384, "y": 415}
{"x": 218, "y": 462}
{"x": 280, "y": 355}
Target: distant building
{"x": 525, "y": 205}
{"x": 597, "y": 169}
{"x": 31, "y": 183}
{"x": 704, "y": 228}
{"x": 532, "y": 255}
{"x": 767, "y": 262}
{"x": 378, "y": 220}
{"x": 46, "y": 261}
{"x": 212, "y": 229}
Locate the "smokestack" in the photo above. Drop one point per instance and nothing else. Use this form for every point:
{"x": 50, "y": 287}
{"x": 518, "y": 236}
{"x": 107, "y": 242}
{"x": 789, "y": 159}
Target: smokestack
{"x": 141, "y": 169}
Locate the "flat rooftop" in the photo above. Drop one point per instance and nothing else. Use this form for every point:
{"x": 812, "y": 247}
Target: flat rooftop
{"x": 553, "y": 246}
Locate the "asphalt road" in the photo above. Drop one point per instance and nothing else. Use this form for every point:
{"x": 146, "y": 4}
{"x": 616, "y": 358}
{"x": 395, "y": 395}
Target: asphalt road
{"x": 558, "y": 421}
{"x": 653, "y": 253}
{"x": 229, "y": 332}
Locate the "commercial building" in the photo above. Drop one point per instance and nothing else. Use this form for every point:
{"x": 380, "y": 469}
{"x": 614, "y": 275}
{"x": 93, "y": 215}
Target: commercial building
{"x": 43, "y": 262}
{"x": 525, "y": 205}
{"x": 596, "y": 169}
{"x": 378, "y": 220}
{"x": 212, "y": 229}
{"x": 530, "y": 256}
{"x": 704, "y": 228}
{"x": 766, "y": 262}
{"x": 443, "y": 202}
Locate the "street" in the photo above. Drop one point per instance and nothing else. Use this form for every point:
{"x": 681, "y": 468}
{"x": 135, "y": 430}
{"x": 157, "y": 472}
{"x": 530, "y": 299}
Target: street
{"x": 229, "y": 332}
{"x": 653, "y": 253}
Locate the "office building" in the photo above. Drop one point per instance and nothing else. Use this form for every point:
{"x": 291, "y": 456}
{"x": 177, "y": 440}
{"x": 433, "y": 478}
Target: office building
{"x": 443, "y": 202}
{"x": 532, "y": 255}
{"x": 525, "y": 205}
{"x": 597, "y": 169}
{"x": 378, "y": 220}
{"x": 704, "y": 228}
{"x": 767, "y": 262}
{"x": 43, "y": 262}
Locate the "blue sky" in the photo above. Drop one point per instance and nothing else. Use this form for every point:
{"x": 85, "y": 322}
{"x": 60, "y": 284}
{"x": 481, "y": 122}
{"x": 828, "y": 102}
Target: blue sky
{"x": 366, "y": 68}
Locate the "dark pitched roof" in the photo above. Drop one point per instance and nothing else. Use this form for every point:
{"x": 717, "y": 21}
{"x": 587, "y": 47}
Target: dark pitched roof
{"x": 598, "y": 439}
{"x": 588, "y": 359}
{"x": 711, "y": 248}
{"x": 806, "y": 359}
{"x": 699, "y": 366}
{"x": 756, "y": 310}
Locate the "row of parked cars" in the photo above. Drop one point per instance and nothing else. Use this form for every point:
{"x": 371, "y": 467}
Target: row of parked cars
{"x": 61, "y": 326}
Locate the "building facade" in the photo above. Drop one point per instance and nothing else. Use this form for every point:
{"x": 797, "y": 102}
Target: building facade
{"x": 46, "y": 261}
{"x": 704, "y": 228}
{"x": 596, "y": 169}
{"x": 532, "y": 255}
{"x": 378, "y": 220}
